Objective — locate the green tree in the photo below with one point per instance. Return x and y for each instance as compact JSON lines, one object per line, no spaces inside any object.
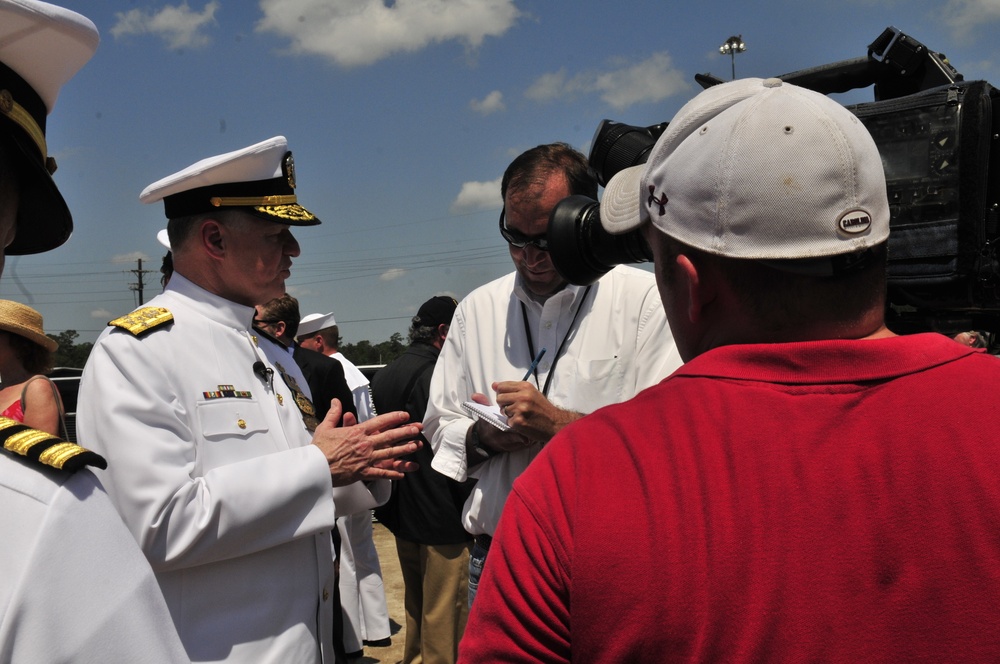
{"x":70,"y":353}
{"x":364,"y":352}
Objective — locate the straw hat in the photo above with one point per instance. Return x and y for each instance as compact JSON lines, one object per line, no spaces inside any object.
{"x":24,"y":321}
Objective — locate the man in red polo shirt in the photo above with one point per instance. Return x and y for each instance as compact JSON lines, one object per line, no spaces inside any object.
{"x":807,"y":486}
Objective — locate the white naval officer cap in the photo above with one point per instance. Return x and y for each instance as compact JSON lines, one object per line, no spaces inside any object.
{"x":313,"y":323}
{"x":259,"y":180}
{"x":41,"y":47}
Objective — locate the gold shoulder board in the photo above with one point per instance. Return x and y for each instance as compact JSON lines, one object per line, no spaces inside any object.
{"x":45,"y":448}
{"x":143,"y":320}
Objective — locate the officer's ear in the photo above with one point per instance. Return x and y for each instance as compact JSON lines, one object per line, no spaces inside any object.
{"x":212,"y":235}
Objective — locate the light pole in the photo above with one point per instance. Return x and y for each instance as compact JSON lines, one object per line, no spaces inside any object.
{"x":732,"y":46}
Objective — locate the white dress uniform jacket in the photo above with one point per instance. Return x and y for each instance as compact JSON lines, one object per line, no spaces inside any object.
{"x":619,"y":345}
{"x":212,"y":469}
{"x":74,"y":587}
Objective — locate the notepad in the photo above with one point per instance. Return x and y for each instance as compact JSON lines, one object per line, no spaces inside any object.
{"x":491,"y":414}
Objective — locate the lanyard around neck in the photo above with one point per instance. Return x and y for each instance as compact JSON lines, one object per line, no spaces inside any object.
{"x":562,"y":344}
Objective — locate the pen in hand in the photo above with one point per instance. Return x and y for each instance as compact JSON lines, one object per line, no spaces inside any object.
{"x":534,"y":365}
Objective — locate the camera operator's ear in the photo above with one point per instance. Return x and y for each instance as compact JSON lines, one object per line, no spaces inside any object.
{"x":696,"y":281}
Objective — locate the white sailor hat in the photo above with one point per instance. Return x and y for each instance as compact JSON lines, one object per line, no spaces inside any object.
{"x":313,"y":323}
{"x":259,"y":180}
{"x":163,"y":238}
{"x":41,"y":47}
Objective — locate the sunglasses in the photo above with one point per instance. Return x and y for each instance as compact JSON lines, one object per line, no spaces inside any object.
{"x":520,"y":240}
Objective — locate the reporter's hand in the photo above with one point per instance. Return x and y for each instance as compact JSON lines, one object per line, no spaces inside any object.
{"x":369,"y":450}
{"x":529,"y":412}
{"x":494,"y":439}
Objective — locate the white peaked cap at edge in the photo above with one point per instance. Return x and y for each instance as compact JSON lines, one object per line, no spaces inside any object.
{"x":42,"y":47}
{"x":45,"y":44}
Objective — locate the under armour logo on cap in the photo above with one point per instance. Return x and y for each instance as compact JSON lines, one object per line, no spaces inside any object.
{"x":661,"y":201}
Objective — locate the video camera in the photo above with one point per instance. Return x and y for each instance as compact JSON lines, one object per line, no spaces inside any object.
{"x":938,"y":137}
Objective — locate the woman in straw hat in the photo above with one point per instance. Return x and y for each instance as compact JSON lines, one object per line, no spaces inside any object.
{"x":25,"y":354}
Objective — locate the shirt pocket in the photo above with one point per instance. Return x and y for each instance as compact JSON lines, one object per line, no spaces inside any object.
{"x":594,"y":383}
{"x":231,"y":430}
{"x":225,"y":418}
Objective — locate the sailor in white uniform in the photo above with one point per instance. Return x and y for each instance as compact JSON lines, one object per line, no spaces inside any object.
{"x":219,"y":468}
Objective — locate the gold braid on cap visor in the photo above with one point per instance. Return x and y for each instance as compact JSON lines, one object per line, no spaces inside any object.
{"x":281,"y":206}
{"x":20,"y":116}
{"x":252,"y":201}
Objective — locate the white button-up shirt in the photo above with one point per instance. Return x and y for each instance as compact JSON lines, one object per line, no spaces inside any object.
{"x":619,"y":345}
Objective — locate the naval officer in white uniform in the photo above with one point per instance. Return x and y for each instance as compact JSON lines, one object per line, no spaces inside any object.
{"x":219,"y":468}
{"x":74,"y":586}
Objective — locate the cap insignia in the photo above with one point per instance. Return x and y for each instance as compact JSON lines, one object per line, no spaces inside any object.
{"x":288,"y":168}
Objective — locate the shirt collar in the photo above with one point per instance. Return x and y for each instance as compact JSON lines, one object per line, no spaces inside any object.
{"x":827,"y":362}
{"x":565,"y":296}
{"x":211,"y":306}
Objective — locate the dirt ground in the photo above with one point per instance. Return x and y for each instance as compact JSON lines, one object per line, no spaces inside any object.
{"x":385,"y":544}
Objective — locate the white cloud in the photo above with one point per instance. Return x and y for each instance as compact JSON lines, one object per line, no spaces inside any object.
{"x":477,"y":196}
{"x":178,"y":26}
{"x":352,"y":33}
{"x":963,"y":16}
{"x":392,"y":274}
{"x":102,"y":315}
{"x":622,"y":85}
{"x":491,"y":103}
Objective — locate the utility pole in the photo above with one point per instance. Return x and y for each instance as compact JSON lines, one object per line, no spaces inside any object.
{"x":139,"y":285}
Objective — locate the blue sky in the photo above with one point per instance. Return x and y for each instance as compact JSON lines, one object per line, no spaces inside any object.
{"x":402,"y":117}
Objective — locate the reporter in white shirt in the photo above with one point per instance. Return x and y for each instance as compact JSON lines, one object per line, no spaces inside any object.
{"x":604,"y":343}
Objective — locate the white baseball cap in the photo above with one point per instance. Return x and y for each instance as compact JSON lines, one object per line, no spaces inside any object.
{"x":258,"y":179}
{"x":42,"y":46}
{"x":758,"y":169}
{"x":312,"y":323}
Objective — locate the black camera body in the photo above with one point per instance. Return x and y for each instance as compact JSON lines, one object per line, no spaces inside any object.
{"x":938,"y":137}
